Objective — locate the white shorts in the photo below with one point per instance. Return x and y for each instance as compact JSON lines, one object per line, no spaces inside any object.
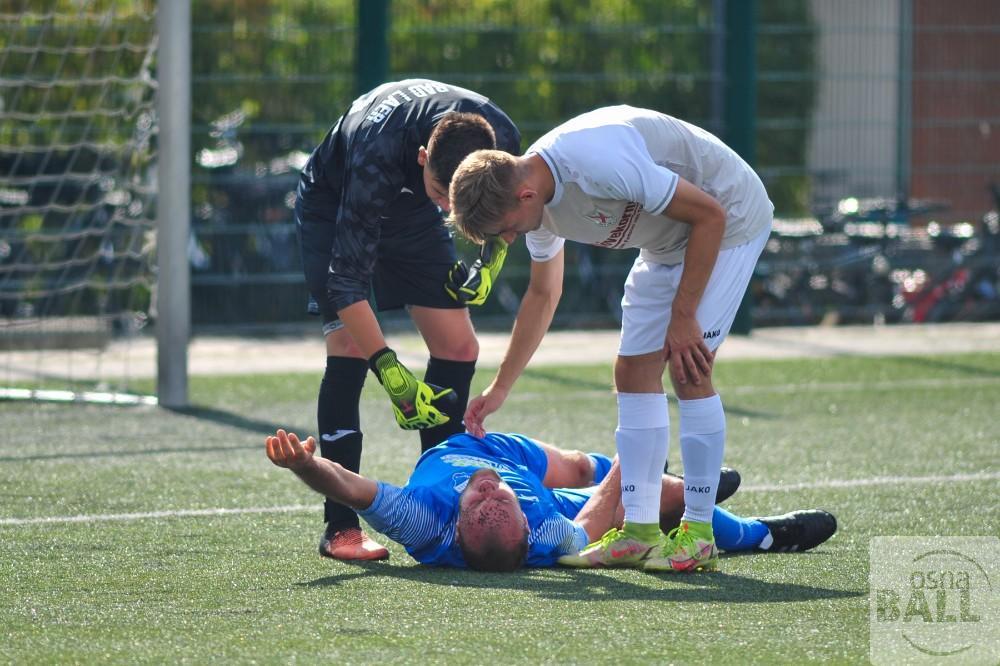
{"x":650,"y":290}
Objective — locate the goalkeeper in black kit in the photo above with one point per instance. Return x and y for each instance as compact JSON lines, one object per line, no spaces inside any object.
{"x":369,"y":215}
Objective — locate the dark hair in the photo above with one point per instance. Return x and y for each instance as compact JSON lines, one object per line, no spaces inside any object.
{"x":454,"y":137}
{"x":493,"y":554}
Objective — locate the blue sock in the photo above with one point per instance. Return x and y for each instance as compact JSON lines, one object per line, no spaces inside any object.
{"x":734,"y":533}
{"x":602,"y":465}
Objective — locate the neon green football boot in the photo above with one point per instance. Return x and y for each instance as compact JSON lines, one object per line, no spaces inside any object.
{"x":689,"y":547}
{"x":615,"y":549}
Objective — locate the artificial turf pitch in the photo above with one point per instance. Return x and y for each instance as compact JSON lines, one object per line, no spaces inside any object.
{"x":872,"y":440}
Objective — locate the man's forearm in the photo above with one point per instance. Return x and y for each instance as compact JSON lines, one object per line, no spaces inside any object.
{"x":700,"y":255}
{"x":532,"y":322}
{"x":603,"y":510}
{"x":339,"y":484}
{"x":533,"y":318}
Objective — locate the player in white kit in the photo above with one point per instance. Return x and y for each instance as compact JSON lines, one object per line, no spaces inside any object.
{"x":622,"y":177}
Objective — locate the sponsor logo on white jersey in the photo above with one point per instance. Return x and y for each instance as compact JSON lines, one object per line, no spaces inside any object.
{"x":601,"y":218}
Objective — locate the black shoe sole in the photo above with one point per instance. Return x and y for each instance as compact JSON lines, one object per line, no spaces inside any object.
{"x":800,"y":531}
{"x":729,"y":483}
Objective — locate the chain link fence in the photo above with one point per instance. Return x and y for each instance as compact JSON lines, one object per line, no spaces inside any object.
{"x":876,"y":130}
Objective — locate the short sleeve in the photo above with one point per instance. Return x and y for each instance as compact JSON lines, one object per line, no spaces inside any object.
{"x":543,"y":245}
{"x":555,"y":537}
{"x":405,"y":516}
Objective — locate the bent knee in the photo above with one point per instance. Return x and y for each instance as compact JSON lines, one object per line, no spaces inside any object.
{"x":581,"y":468}
{"x":639,"y":374}
{"x":459,"y":350}
{"x":340,"y":343}
{"x":692,"y":391}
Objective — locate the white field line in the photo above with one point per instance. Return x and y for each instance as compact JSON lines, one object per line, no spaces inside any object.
{"x":867,"y":386}
{"x":874,"y":481}
{"x":296,"y":508}
{"x":812,"y":387}
{"x":179,"y":513}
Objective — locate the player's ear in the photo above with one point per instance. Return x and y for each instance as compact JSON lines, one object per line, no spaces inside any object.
{"x":422,"y":156}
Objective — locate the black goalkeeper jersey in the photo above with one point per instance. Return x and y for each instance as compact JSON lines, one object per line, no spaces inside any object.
{"x":364,"y":177}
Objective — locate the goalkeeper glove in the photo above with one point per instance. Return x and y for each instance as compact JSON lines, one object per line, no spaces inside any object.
{"x":471,"y":286}
{"x":412,"y":400}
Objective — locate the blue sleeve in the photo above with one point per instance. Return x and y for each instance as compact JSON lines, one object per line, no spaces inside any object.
{"x":406,"y":517}
{"x":555,"y":537}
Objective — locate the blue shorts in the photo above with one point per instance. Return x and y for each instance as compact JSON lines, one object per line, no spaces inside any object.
{"x":569,"y":501}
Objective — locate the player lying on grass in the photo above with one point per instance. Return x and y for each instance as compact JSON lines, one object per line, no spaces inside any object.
{"x":503,"y":501}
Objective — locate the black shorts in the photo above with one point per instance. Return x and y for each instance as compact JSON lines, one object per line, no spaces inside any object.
{"x":411,"y":268}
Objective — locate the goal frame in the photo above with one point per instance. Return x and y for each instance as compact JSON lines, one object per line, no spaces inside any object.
{"x":173,"y":210}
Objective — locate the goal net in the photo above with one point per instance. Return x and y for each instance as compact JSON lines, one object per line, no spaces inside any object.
{"x":77,"y":184}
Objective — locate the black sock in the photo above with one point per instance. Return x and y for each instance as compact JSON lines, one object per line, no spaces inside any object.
{"x":339,"y":420}
{"x":455,"y":375}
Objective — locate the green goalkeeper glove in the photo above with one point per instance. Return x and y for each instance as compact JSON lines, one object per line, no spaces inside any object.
{"x":412,"y":400}
{"x":471,"y":286}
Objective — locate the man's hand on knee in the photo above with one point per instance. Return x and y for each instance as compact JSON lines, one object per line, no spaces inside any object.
{"x":685,"y":351}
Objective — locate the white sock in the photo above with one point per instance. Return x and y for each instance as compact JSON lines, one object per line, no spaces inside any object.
{"x":703,"y":441}
{"x":643,"y":437}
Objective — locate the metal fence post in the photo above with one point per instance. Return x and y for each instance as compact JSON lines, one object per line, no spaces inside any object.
{"x":371,"y":59}
{"x":741,"y":104}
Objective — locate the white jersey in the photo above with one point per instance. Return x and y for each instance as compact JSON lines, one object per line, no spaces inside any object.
{"x":616,"y":169}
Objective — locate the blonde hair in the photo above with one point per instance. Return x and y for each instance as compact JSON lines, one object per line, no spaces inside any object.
{"x":482,"y":192}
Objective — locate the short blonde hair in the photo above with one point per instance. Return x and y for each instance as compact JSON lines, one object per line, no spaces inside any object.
{"x":482,"y":191}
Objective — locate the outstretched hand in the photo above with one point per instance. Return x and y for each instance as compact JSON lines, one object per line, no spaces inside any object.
{"x":285,"y":450}
{"x":686,"y":351}
{"x":482,"y":406}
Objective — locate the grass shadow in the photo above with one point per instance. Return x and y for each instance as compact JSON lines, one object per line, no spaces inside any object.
{"x":573,"y":585}
{"x":941,"y":364}
{"x":210,"y":414}
{"x":233,"y":420}
{"x":736,"y":410}
{"x":118,"y":453}
{"x":570,"y":380}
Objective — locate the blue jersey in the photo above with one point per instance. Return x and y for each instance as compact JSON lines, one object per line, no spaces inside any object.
{"x":422,"y":514}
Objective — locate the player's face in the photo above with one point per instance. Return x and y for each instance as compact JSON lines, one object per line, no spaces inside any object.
{"x":526,"y":217}
{"x":489,"y":503}
{"x":485,"y":485}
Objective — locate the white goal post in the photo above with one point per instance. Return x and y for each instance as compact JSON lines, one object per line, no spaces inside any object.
{"x":173,"y":326}
{"x":89,"y":254}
